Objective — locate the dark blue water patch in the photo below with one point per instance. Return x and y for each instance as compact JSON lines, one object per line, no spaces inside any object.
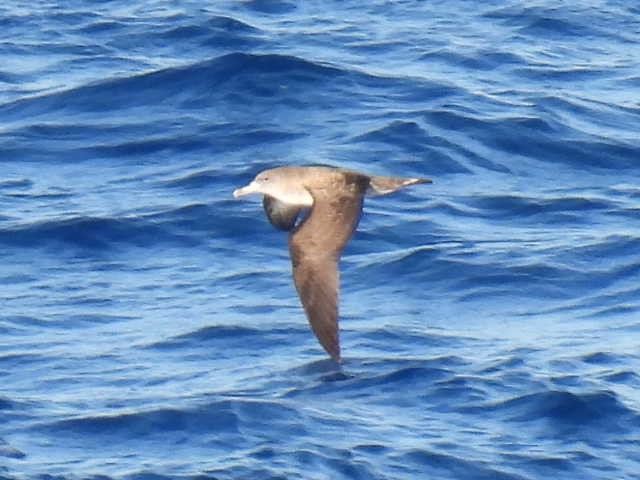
{"x":101,"y":26}
{"x":559,"y":24}
{"x":410,"y":138}
{"x":479,"y":60}
{"x":548,"y":210}
{"x":212,"y":33}
{"x":629,"y":212}
{"x":613,"y":246}
{"x":629,"y":378}
{"x":563,"y":74}
{"x":226,"y":341}
{"x":170,"y":145}
{"x":537,"y":464}
{"x":85,"y":320}
{"x":233,"y":79}
{"x":471,"y":122}
{"x":607,"y":303}
{"x":240,"y":73}
{"x":11,"y":78}
{"x":568,"y":412}
{"x":442,"y":465}
{"x":466,"y":390}
{"x":66,"y":18}
{"x":16,"y":184}
{"x":617,"y":117}
{"x":227,"y":138}
{"x":272,"y":7}
{"x":404,"y":262}
{"x":53,"y":194}
{"x":189,"y":225}
{"x":21,"y":322}
{"x":7,"y":404}
{"x":8,"y":451}
{"x":11,"y":361}
{"x":91,"y":233}
{"x":473,"y":279}
{"x":230,"y":24}
{"x":17,"y":278}
{"x":618,"y":310}
{"x":402,"y":336}
{"x":552,"y":28}
{"x":215,"y":418}
{"x":71,"y":49}
{"x":356,"y":377}
{"x":74,"y":133}
{"x":511,"y":135}
{"x":601,"y":358}
{"x":67,"y":142}
{"x":418,"y":376}
{"x":215,"y":423}
{"x":241,"y":470}
{"x":537,"y":280}
{"x":207,"y":335}
{"x":510,"y":363}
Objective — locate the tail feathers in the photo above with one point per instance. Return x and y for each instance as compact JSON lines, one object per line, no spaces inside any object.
{"x":385,"y":185}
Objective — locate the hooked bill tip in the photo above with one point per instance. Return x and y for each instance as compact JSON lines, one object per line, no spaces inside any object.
{"x":243,"y":191}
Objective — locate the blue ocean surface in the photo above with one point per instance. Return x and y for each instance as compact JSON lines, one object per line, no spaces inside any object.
{"x":490,"y":322}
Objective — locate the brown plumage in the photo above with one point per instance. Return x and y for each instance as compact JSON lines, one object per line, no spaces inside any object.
{"x":335,"y":197}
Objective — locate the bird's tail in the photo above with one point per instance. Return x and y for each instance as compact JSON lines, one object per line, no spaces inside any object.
{"x":385,"y":185}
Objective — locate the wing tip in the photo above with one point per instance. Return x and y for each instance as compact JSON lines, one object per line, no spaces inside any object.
{"x":385,"y":185}
{"x":335,"y":355}
{"x":331,"y":346}
{"x":415,"y":181}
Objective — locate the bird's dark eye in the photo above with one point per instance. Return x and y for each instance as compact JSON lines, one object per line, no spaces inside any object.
{"x":265,"y":179}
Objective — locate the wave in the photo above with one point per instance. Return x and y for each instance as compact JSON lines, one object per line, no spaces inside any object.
{"x":482,"y":59}
{"x":89,"y":232}
{"x":552,"y":23}
{"x":548,"y":209}
{"x":563,"y":409}
{"x":508,"y":135}
{"x":238,"y":71}
{"x":561,"y":273}
{"x":228,"y":335}
{"x":184,"y":226}
{"x":410,"y":138}
{"x":454,"y":466}
{"x":219,"y":420}
{"x":7,"y":404}
{"x":231,"y":78}
{"x":8,"y":451}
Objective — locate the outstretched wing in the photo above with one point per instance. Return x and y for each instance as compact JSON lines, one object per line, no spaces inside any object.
{"x":317,"y":283}
{"x":316,"y":246}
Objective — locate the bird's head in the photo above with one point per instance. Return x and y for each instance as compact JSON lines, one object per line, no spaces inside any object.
{"x":264,"y":183}
{"x":285,"y":184}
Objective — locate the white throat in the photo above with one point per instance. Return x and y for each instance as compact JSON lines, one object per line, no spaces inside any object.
{"x":294,"y":196}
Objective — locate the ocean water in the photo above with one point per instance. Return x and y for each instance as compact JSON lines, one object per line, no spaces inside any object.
{"x":490,"y":321}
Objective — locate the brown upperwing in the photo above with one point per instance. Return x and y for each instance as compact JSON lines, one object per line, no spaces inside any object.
{"x":315,"y":247}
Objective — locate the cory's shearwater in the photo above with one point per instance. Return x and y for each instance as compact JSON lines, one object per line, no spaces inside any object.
{"x":334,"y":197}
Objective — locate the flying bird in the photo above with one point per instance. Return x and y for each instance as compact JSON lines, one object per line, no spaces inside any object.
{"x":333,"y":198}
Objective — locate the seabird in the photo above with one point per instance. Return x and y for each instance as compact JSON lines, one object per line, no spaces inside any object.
{"x":333,"y":198}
